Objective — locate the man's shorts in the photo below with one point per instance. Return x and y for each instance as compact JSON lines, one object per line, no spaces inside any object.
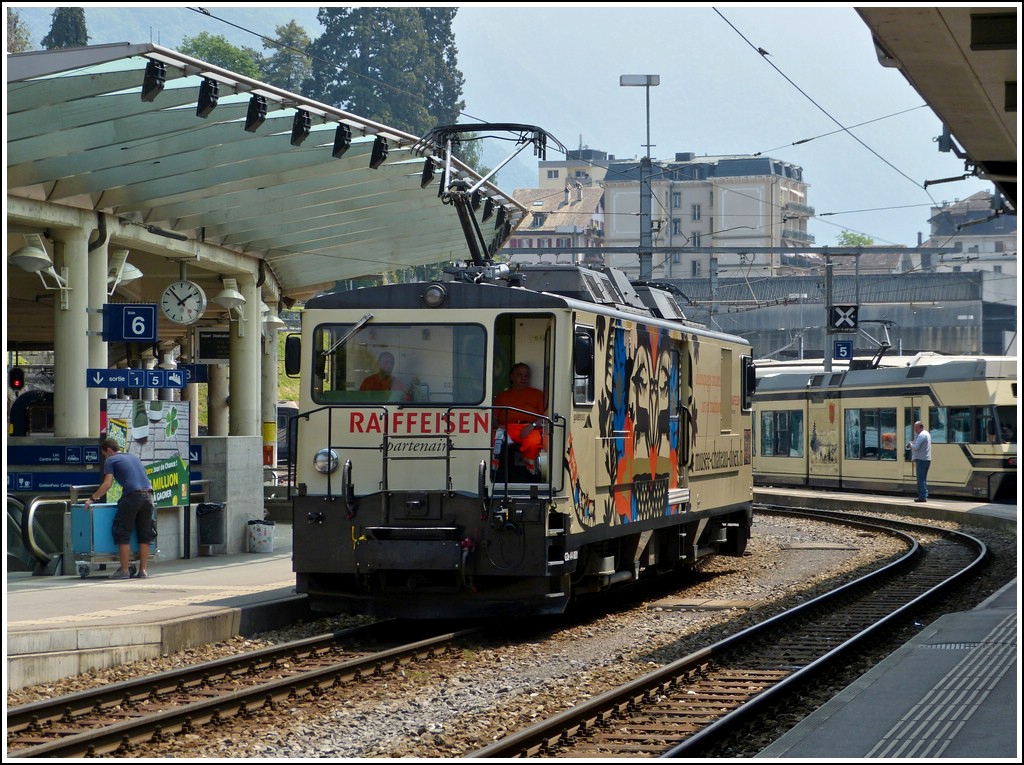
{"x":135,"y":512}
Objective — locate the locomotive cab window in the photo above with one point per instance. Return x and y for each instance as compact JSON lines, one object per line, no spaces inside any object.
{"x":381,"y":363}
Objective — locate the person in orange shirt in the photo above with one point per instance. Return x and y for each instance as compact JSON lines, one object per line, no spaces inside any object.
{"x":522,"y":427}
{"x":383,"y":379}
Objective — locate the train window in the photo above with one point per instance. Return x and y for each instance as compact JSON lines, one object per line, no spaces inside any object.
{"x":959,"y":424}
{"x":782,"y":434}
{"x":938,"y":424}
{"x":583,"y":366}
{"x":1007,"y":424}
{"x":910,"y":416}
{"x":377,"y":363}
{"x":985,"y":425}
{"x":870,"y":434}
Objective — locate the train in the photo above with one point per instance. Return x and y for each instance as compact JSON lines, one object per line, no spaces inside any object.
{"x":848,"y":427}
{"x":405,"y":502}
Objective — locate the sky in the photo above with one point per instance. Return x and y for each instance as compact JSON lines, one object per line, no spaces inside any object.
{"x":866,"y":138}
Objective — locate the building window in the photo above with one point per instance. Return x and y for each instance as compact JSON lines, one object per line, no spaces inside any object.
{"x":538,"y":219}
{"x":695,"y":268}
{"x":675,"y":258}
{"x":695,"y":239}
{"x":999,"y":246}
{"x":563,"y":242}
{"x":997,"y":269}
{"x":677,"y":199}
{"x":695,"y":209}
{"x":677,"y":227}
{"x":552,"y":173}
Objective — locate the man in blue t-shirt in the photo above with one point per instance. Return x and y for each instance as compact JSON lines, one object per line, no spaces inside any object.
{"x":134,"y":509}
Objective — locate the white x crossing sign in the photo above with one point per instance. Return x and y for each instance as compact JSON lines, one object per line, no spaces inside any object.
{"x":842,"y":318}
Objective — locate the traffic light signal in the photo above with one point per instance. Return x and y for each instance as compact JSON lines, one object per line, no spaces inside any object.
{"x":16,"y":378}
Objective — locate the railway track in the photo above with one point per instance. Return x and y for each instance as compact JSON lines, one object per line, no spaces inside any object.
{"x":686,"y":708}
{"x":118,"y":717}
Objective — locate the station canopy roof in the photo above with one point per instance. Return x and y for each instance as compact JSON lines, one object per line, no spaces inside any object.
{"x":119,"y":129}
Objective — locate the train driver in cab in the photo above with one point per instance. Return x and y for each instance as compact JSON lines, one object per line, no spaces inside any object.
{"x":524,"y":428}
{"x":383,"y":379}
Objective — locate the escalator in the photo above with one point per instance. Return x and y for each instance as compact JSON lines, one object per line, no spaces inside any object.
{"x":31,"y":535}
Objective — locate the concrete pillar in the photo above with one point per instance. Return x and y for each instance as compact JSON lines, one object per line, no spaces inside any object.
{"x":269,"y":396}
{"x":72,"y":416}
{"x":244,"y":351}
{"x":217,"y":406}
{"x":98,"y":353}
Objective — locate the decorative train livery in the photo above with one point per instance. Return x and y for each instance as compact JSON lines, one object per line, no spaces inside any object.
{"x":418,"y":495}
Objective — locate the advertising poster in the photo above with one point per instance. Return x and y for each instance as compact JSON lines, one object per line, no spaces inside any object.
{"x":157,"y":433}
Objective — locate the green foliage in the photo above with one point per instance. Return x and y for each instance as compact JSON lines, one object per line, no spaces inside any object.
{"x":851,"y":239}
{"x":17,"y":33}
{"x":394,"y":65}
{"x":215,"y":49}
{"x":67,"y":30}
{"x":289,"y":65}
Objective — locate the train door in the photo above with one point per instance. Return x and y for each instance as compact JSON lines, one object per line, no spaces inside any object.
{"x":912,"y":412}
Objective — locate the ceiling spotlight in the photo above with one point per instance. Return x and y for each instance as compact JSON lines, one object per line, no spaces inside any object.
{"x":428,"y":173}
{"x":379,"y":153}
{"x":301,"y":125}
{"x":342,"y":140}
{"x":257,"y":113}
{"x":230,"y":297}
{"x":153,"y":82}
{"x":208,"y":94}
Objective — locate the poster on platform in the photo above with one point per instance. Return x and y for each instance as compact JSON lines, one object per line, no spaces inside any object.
{"x":157,"y":433}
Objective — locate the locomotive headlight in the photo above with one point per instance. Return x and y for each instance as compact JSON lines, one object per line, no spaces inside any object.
{"x":326,"y":461}
{"x":435,"y":295}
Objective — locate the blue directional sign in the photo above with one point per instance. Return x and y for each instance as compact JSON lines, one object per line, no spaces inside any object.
{"x":195,"y":373}
{"x":842,"y":350}
{"x":135,"y":378}
{"x":131,"y":322}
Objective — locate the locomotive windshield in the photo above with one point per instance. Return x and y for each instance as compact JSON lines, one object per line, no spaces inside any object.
{"x":379,"y":363}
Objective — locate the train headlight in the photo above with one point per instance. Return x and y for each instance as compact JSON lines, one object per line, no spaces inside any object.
{"x":326,"y":461}
{"x":435,"y":295}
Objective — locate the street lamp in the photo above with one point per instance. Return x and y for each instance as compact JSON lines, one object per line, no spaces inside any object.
{"x":646,"y":81}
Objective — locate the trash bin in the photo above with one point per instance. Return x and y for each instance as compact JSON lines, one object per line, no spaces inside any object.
{"x":261,"y":536}
{"x":211,"y":523}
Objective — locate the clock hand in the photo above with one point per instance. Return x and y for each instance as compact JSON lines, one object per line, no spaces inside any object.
{"x":180,"y":301}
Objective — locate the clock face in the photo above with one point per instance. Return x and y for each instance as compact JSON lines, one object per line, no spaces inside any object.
{"x":183,"y":302}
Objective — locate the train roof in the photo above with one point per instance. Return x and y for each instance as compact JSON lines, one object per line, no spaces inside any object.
{"x":604,"y":290}
{"x":923,"y":367}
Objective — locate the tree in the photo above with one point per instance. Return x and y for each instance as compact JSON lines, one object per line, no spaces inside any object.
{"x":289,"y":66}
{"x":397,"y":66}
{"x":67,"y":30}
{"x":215,"y":49}
{"x":851,"y":239}
{"x":17,"y":33}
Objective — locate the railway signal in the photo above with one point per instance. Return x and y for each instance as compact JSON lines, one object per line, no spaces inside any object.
{"x":842,"y":318}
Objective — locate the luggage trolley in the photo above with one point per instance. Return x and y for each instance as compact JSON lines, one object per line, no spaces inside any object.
{"x":93,"y":543}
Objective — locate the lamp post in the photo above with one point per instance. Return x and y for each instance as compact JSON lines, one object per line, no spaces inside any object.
{"x":646,"y":81}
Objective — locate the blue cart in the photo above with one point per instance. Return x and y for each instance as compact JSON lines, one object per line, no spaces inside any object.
{"x":92,"y":543}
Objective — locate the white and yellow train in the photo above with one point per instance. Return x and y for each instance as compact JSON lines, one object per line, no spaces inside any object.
{"x":848,"y":428}
{"x":398,"y":509}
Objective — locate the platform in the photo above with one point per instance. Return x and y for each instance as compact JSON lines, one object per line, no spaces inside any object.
{"x":952,"y":692}
{"x":65,"y":625}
